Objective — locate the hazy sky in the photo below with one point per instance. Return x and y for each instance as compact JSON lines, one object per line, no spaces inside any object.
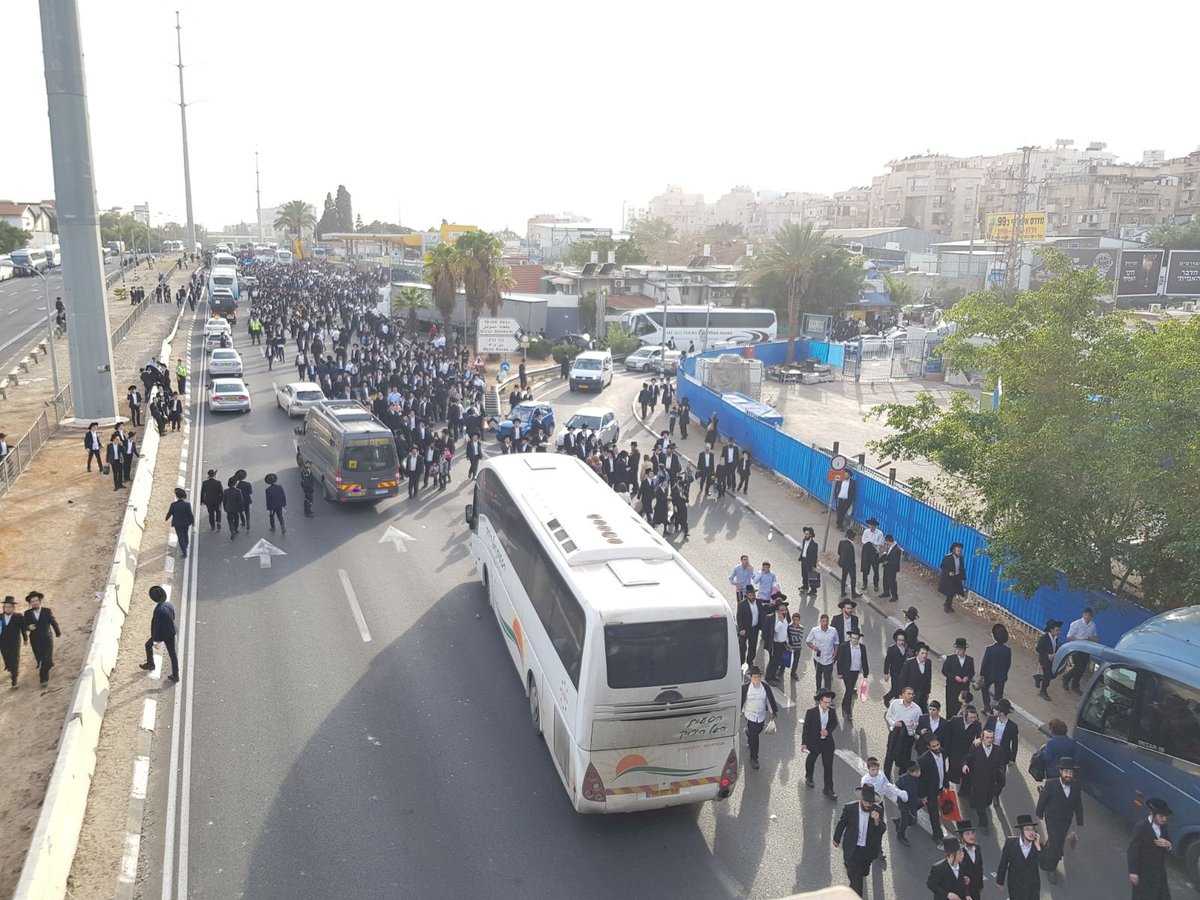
{"x":487,"y":113}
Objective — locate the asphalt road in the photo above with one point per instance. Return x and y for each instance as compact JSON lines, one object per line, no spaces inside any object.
{"x":327,"y":755}
{"x":23,"y":312}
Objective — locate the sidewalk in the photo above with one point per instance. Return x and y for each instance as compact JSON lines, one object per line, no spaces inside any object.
{"x":57,"y":534}
{"x":784,"y":507}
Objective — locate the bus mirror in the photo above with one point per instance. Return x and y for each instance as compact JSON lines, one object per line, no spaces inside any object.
{"x":471,"y":515}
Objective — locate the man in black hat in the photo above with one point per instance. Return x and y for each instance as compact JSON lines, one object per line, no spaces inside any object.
{"x":852,"y":667}
{"x":847,"y":621}
{"x":162,"y":631}
{"x":861,"y":827}
{"x":1018,"y":863}
{"x":1006,"y":730}
{"x":180,"y":515}
{"x":952,"y":577}
{"x":889,"y":558}
{"x":947,"y":879}
{"x":997,"y":660}
{"x":276,"y":501}
{"x":911,"y":631}
{"x":1060,"y":801}
{"x":917,"y":673}
{"x":816,"y":739}
{"x":210,"y":499}
{"x":12,"y":634}
{"x":986,"y":764}
{"x":972,"y":859}
{"x":893,"y":664}
{"x":758,"y":707}
{"x":42,"y":628}
{"x":1047,"y":646}
{"x":1147,"y":855}
{"x":848,"y":562}
{"x":958,"y":670}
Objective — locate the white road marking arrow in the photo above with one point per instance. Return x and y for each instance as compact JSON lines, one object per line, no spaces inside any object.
{"x":264,"y":550}
{"x":397,"y":537}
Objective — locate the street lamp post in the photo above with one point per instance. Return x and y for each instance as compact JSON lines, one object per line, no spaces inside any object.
{"x":49,"y":332}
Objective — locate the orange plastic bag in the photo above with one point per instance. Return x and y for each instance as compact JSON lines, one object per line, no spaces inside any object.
{"x":948,"y":805}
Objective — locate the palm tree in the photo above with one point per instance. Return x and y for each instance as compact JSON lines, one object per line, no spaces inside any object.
{"x":790,"y":256}
{"x":901,"y":291}
{"x":661,"y":240}
{"x":442,"y":273}
{"x":295,"y":216}
{"x":406,"y":302}
{"x":484,"y":278}
{"x":502,"y":281}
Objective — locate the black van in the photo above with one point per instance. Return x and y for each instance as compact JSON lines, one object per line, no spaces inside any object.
{"x":353,"y":454}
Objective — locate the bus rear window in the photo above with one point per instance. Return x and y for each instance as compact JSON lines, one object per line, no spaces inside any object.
{"x":663,"y":654}
{"x":369,"y":455}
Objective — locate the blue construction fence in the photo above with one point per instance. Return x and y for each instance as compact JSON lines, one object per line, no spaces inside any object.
{"x":923,"y":532}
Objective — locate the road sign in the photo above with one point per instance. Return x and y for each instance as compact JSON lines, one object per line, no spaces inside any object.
{"x":834,"y":475}
{"x":506,"y":327}
{"x":839,"y":462}
{"x":264,"y":550}
{"x":505,"y":366}
{"x":495,"y":343}
{"x":397,"y":537}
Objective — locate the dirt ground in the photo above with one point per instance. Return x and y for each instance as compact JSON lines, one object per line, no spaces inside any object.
{"x":58,"y":528}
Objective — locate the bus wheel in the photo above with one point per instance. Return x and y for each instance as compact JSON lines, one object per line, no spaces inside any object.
{"x":535,"y":709}
{"x":1191,"y":859}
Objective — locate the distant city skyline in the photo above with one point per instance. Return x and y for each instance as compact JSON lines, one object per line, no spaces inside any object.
{"x":423,"y":119}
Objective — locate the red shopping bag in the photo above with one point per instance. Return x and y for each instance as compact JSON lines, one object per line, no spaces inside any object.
{"x":948,"y":805}
{"x":863,"y":687}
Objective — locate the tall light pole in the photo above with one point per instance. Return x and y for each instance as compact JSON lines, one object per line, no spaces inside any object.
{"x":187,"y":167}
{"x":258,"y":197}
{"x":49,"y":331}
{"x":92,"y":381}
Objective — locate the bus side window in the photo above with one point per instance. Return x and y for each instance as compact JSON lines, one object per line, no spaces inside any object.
{"x":1108,"y":709}
{"x":1171,"y":715}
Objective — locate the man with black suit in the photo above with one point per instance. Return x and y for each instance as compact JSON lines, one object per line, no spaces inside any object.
{"x":1060,"y":801}
{"x":210,"y":499}
{"x":848,"y":562}
{"x":180,"y":515}
{"x":42,"y":628}
{"x":931,"y":724}
{"x":986,"y":765}
{"x":233,"y":503}
{"x":1147,"y":854}
{"x":844,"y":498}
{"x":859,"y":833}
{"x":997,"y":660}
{"x":893,"y":664}
{"x":12,"y":634}
{"x":749,"y":624}
{"x":727,"y":468}
{"x":972,"y":859}
{"x":413,"y":467}
{"x":1001,"y":724}
{"x":1047,"y":646}
{"x":958,"y":670}
{"x":917,"y":673}
{"x":94,"y":447}
{"x":816,"y":739}
{"x":134,"y":399}
{"x":889,"y":558}
{"x":115,"y":459}
{"x":474,"y":455}
{"x":705,"y":469}
{"x":743,"y":472}
{"x":952,"y":577}
{"x":847,"y":621}
{"x":947,"y":878}
{"x":934,"y":765}
{"x":852,"y":667}
{"x":162,"y":630}
{"x":1018,"y":863}
{"x":808,"y":561}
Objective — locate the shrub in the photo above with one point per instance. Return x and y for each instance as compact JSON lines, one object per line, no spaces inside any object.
{"x":562,"y":352}
{"x":539,"y":348}
{"x":621,"y":342}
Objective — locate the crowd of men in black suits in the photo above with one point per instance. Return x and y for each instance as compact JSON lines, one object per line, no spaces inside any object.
{"x":36,"y":628}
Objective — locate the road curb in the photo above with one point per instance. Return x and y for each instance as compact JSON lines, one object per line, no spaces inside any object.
{"x":828,"y":569}
{"x":47,"y":865}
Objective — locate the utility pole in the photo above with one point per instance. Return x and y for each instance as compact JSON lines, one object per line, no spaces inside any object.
{"x":1016,"y":242}
{"x":258,"y":197}
{"x":94,"y":391}
{"x":187,"y":167}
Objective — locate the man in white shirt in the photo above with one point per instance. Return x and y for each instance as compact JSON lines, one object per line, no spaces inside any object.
{"x":872,"y":544}
{"x":823,"y":641}
{"x":1082,"y":629}
{"x":902,"y":717}
{"x":779,"y":642}
{"x":758,"y":705}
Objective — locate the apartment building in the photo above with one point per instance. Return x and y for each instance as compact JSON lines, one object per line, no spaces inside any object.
{"x":683,"y":211}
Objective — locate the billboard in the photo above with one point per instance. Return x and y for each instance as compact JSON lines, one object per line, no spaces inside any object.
{"x":1030,"y":226}
{"x":1103,"y":261}
{"x":1139,"y":271}
{"x":1183,"y":273}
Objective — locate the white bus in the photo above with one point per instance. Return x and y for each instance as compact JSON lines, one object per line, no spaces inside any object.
{"x":704,"y":326}
{"x":626,"y":653}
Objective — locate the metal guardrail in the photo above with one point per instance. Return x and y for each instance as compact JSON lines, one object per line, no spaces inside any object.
{"x":125,"y":327}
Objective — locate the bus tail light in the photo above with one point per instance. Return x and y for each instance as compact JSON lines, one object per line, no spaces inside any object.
{"x":338,"y":479}
{"x":728,"y":775}
{"x":593,"y":787}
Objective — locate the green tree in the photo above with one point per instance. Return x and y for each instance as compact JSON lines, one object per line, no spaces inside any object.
{"x":295,"y":216}
{"x":479,"y":263}
{"x":345,"y":211}
{"x":358,"y":223}
{"x":1089,"y":469}
{"x":589,"y":305}
{"x":443,"y":271}
{"x":1177,"y":237}
{"x":12,"y":238}
{"x":407,"y":302}
{"x":790,"y":256}
{"x":661,"y":241}
{"x":329,"y":223}
{"x":626,"y":253}
{"x":900,"y":290}
{"x":378,"y":227}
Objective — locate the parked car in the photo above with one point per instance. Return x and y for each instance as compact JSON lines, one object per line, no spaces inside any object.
{"x":225,"y":363}
{"x":582,"y":341}
{"x":7,"y":269}
{"x":639,"y":359}
{"x":217,"y":326}
{"x":523,"y":414}
{"x":228,"y":395}
{"x":599,"y":419}
{"x":668,"y":364}
{"x":298,"y":397}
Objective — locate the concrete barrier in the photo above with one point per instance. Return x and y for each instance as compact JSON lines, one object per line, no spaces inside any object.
{"x":56,"y":836}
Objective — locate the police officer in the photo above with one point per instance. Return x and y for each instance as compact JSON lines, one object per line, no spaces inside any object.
{"x":308,"y":484}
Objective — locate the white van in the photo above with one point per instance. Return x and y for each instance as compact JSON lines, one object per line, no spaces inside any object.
{"x":591,"y":370}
